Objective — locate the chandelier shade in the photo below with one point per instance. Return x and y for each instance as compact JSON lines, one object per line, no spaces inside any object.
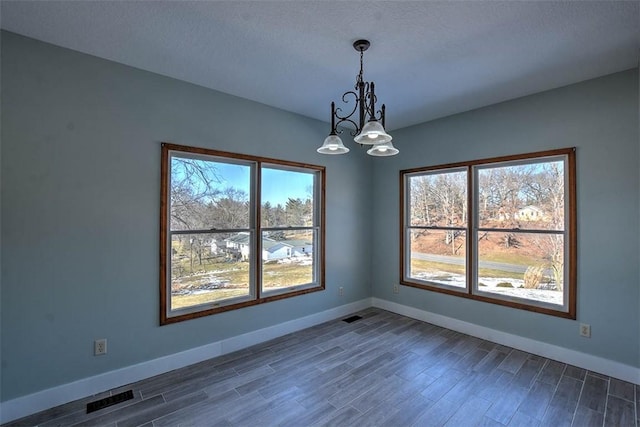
{"x":372,"y":133}
{"x":368,"y":123}
{"x":333,"y":145}
{"x":383,"y":150}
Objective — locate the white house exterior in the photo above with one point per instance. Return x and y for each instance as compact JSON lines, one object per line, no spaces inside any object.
{"x":214,"y":246}
{"x":239,"y":244}
{"x":301,"y":248}
{"x":530,"y":213}
{"x":274,"y":251}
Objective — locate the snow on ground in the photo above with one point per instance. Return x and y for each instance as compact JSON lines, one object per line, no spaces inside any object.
{"x":458,"y":280}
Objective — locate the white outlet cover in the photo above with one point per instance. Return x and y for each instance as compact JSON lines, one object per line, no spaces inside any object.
{"x":585,"y":330}
{"x":100,"y":347}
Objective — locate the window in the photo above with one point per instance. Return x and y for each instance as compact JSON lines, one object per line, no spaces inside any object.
{"x":499,"y":230}
{"x":236,"y":230}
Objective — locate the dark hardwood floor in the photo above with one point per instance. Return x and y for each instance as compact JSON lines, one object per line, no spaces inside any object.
{"x":381,"y":370}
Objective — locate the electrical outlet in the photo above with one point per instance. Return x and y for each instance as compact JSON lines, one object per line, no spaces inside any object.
{"x":341,"y":291}
{"x":396,"y":288}
{"x":585,"y":330}
{"x":100,"y":347}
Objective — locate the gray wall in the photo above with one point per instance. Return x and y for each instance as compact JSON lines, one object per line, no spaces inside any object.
{"x":80,"y":211}
{"x":80,"y":182}
{"x":600,"y":118}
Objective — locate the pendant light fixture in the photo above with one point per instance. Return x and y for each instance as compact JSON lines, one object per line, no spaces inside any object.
{"x":369,"y":129}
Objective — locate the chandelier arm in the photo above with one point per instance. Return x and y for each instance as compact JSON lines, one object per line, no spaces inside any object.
{"x":372,"y":98}
{"x":363,"y":88}
{"x":369,"y":106}
{"x":333,"y":118}
{"x":335,"y":114}
{"x":366,"y":106}
{"x":346,"y":120}
{"x":346,"y":101}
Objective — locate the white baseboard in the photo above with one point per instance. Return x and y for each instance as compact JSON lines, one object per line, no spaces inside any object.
{"x":39,"y":401}
{"x":561,"y":354}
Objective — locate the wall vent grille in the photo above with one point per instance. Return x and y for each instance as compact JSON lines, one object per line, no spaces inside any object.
{"x":109,"y":401}
{"x":352,"y":319}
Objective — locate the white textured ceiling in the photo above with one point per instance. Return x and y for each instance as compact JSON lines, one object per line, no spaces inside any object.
{"x":429,"y":59}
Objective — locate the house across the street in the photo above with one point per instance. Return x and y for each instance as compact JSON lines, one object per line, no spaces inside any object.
{"x":272,"y":250}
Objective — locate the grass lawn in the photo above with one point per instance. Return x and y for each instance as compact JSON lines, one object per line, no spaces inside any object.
{"x":182,"y":301}
{"x":234,"y":280}
{"x":511,"y":258}
{"x":418,"y":265}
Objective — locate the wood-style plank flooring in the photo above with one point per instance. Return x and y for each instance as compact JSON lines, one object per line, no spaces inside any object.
{"x":381,"y":370}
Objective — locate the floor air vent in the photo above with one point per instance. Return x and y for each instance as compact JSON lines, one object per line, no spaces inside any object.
{"x":109,"y":401}
{"x":352,"y":319}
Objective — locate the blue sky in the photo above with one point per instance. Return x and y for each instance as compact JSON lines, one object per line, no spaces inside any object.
{"x":277,"y":185}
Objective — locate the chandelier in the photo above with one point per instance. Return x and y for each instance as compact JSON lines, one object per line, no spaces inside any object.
{"x":369,"y":128}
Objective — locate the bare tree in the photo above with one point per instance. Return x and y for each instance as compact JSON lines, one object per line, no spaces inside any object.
{"x":194,"y":184}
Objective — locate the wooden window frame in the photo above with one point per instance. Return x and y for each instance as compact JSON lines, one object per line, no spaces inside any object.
{"x":256,"y":294}
{"x":471,"y":291}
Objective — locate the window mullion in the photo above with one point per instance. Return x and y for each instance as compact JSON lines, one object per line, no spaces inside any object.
{"x":208,"y":231}
{"x":471,"y":232}
{"x":288,"y":228}
{"x":256,"y":262}
{"x":520,"y":230}
{"x":433,"y":227}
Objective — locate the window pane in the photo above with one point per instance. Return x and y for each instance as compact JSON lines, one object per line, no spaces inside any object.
{"x":287,"y":258}
{"x":287,"y":198}
{"x":208,"y":268}
{"x":439,"y":199}
{"x":209,"y":194}
{"x":218,"y":212}
{"x":438,"y":256}
{"x":523,"y":265}
{"x":527,"y":196}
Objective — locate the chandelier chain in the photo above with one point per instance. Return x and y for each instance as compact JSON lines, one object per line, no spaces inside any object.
{"x":360,"y":77}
